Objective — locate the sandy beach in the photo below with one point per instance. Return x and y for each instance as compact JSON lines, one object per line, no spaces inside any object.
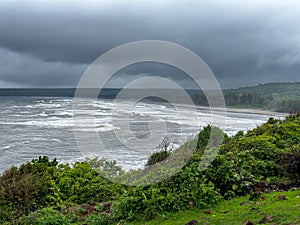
{"x":235,"y":110}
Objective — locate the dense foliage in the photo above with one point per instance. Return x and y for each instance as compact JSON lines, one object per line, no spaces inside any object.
{"x":64,"y":194}
{"x":280,"y":97}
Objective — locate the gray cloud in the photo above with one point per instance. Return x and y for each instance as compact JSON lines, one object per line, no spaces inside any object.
{"x":244,"y":43}
{"x":20,"y":70}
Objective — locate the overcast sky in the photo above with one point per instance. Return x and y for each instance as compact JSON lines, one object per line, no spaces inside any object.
{"x":50,"y":43}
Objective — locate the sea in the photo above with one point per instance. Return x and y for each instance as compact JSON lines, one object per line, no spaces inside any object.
{"x":36,"y":126}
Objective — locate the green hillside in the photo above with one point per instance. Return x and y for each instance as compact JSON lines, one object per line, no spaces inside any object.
{"x":280,"y":97}
{"x":279,"y":91}
{"x":277,"y":208}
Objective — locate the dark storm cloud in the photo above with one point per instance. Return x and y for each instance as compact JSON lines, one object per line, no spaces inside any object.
{"x":22,"y":71}
{"x":243,"y":43}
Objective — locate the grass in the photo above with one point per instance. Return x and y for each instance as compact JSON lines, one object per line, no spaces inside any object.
{"x":232,"y":212}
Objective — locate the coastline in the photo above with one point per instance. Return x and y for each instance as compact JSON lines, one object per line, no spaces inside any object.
{"x":236,"y":110}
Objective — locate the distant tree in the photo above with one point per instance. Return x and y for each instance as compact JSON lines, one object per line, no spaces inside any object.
{"x":290,"y":106}
{"x":165,"y":150}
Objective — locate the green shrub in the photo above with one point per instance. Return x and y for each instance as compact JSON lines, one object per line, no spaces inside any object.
{"x":99,"y":219}
{"x":261,"y":154}
{"x":157,"y":157}
{"x":210,"y":137}
{"x":28,"y":188}
{"x":165,"y":150}
{"x":46,"y":216}
{"x":81,"y":183}
{"x":290,"y":162}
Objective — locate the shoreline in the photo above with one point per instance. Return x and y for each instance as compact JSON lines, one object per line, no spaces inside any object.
{"x":236,"y":110}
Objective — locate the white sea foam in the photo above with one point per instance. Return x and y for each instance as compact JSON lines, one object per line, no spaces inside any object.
{"x":65,"y":113}
{"x":30,"y":127}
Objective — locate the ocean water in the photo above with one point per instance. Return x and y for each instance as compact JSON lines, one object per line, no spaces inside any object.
{"x":37,"y":126}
